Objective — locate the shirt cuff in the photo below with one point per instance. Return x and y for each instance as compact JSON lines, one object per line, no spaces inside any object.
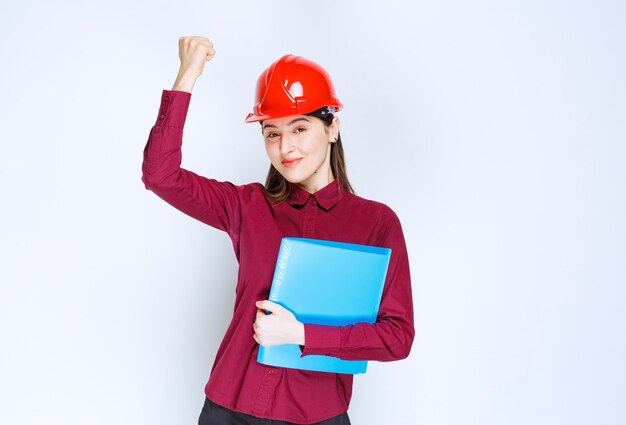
{"x":321,"y":340}
{"x":173,"y":110}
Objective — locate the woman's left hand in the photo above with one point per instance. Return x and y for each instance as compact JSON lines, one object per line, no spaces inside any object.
{"x":280,"y":327}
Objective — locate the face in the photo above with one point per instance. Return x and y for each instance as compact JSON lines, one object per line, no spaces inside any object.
{"x":299,"y":148}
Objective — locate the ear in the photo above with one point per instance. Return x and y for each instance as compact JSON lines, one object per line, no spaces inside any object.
{"x":334,"y":129}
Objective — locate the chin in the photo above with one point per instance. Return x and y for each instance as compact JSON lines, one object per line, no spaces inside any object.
{"x":294,"y":176}
{"x":294,"y":179}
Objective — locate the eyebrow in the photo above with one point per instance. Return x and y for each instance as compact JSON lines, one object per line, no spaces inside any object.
{"x":289,"y":123}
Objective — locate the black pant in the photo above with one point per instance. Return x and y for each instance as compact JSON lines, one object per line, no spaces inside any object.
{"x":214,"y":414}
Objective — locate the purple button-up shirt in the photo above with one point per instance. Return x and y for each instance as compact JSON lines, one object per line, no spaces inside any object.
{"x":256,"y":226}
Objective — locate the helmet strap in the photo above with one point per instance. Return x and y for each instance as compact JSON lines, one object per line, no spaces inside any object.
{"x":323,"y":112}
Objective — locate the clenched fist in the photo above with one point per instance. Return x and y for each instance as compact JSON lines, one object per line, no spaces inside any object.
{"x":194,"y":52}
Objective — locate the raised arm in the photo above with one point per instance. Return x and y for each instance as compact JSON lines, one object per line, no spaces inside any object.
{"x":212,"y":202}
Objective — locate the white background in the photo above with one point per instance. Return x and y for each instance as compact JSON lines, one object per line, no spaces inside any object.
{"x":495,"y":130}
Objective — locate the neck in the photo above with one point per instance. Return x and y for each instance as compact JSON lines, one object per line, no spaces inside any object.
{"x":314,"y":186}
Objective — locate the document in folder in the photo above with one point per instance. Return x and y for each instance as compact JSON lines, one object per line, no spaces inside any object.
{"x":325,"y":283}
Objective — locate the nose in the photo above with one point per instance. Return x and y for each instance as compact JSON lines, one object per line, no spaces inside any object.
{"x":286,"y":145}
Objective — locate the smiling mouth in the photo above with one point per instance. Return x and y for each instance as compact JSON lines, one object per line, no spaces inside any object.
{"x":291,"y":162}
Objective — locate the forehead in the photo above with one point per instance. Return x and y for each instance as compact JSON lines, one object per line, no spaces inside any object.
{"x":286,"y":121}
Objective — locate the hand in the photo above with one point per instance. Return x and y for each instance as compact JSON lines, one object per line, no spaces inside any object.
{"x":280,"y":327}
{"x":194,"y":52}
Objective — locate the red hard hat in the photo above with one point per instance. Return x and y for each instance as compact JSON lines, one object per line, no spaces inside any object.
{"x":292,"y":85}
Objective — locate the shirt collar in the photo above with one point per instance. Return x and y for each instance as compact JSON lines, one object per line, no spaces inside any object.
{"x":327,"y":196}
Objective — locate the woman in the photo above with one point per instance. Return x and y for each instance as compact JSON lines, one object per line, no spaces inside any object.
{"x":306,"y":194}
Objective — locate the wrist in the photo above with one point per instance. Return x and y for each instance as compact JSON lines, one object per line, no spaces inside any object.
{"x":300,"y":334}
{"x":185,"y":81}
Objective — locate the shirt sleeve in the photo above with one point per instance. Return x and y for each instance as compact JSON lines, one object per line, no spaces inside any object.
{"x":212,"y":202}
{"x":391,"y":336}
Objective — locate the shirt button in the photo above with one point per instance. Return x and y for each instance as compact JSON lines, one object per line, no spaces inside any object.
{"x":271,"y":371}
{"x":309,"y":218}
{"x":162,"y":116}
{"x":166,"y":98}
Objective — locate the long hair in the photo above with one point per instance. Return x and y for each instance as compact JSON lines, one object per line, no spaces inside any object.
{"x":277,"y":187}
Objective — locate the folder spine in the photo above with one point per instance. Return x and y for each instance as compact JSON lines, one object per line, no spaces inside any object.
{"x":281,"y":269}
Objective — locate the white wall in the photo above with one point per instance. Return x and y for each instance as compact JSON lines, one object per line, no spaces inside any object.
{"x":497,"y":130}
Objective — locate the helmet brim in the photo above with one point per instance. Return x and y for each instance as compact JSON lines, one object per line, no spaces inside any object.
{"x":256,"y":118}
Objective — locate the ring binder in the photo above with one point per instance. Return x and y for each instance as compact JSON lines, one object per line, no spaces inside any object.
{"x":325,"y":283}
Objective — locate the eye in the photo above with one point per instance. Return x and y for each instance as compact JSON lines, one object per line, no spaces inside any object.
{"x":271,"y":135}
{"x":300,"y":130}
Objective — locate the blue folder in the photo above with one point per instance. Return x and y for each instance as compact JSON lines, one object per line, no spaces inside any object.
{"x":325,"y":283}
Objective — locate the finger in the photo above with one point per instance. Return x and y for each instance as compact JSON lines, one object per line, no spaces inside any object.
{"x":268,"y":305}
{"x":260,"y":314}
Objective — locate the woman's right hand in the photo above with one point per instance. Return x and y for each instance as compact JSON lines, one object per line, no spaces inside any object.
{"x":194,"y":52}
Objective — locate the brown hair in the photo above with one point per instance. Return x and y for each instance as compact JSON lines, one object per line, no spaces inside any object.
{"x":277,"y":187}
